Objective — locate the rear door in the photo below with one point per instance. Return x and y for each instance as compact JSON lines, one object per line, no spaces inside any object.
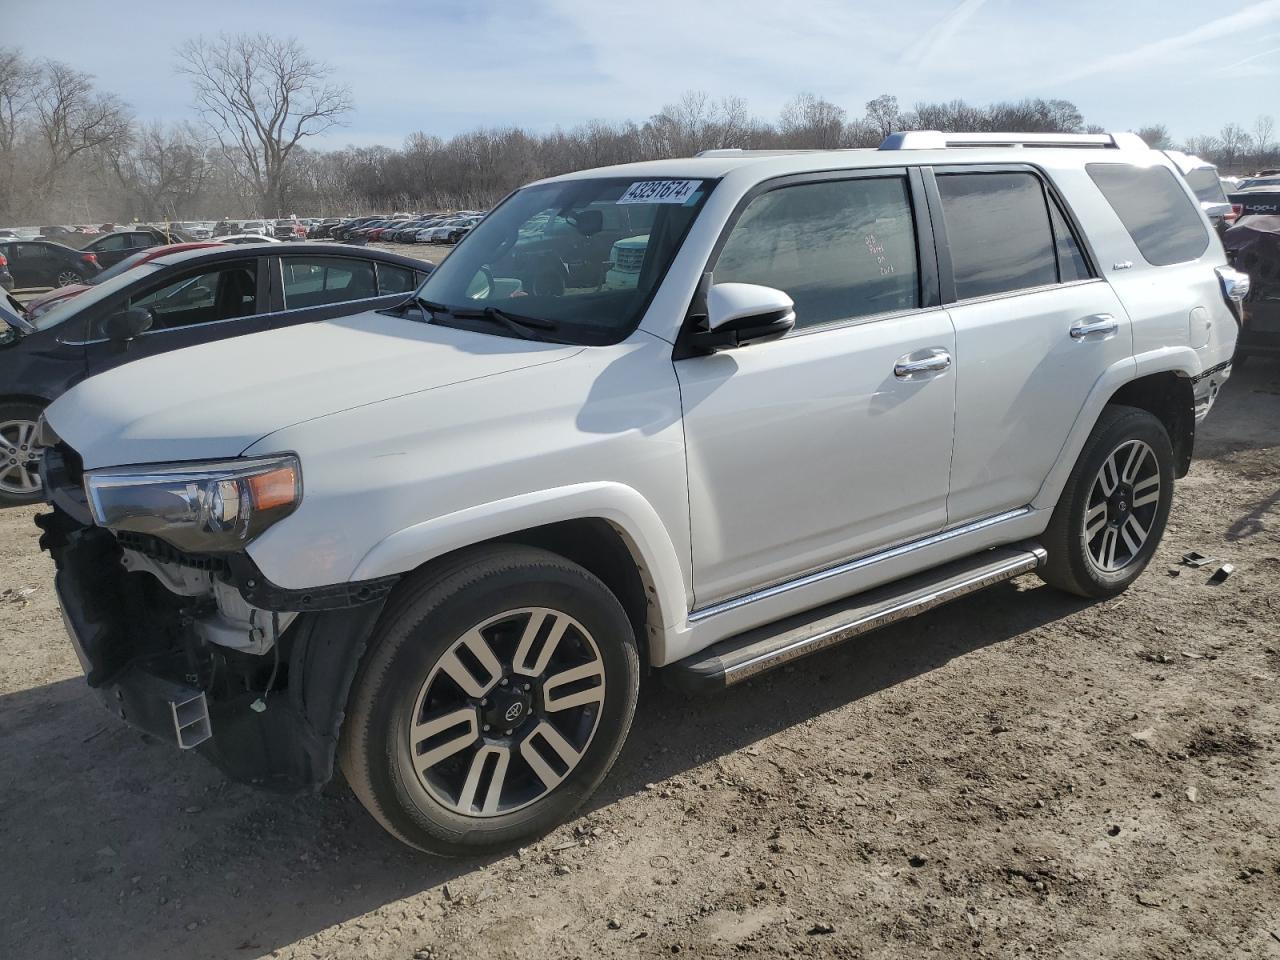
{"x":1034,"y":327}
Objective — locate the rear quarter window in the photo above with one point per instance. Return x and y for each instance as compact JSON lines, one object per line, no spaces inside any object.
{"x":1166,"y":226}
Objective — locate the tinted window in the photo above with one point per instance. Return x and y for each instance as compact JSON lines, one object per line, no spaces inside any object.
{"x":395,"y":279}
{"x":998,"y":232}
{"x":222,"y":294}
{"x":1205,"y":185}
{"x":117,"y":242}
{"x":31,"y":251}
{"x":1155,"y":209}
{"x":1071,"y":262}
{"x":315,"y":281}
{"x":839,"y":249}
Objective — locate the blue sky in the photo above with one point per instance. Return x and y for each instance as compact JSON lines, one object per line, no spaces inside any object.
{"x":444,"y":67}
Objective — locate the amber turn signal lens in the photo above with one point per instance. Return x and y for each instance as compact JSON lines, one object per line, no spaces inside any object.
{"x":278,"y":488}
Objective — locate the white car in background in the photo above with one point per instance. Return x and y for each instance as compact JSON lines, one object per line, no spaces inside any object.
{"x":449,"y":228}
{"x":256,"y":226}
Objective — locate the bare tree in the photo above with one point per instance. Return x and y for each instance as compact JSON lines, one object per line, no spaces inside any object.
{"x":72,"y":118}
{"x":882,"y":114}
{"x":1156,"y":136}
{"x":810,"y":121}
{"x":1234,"y":140}
{"x":1263,"y":130}
{"x":161,"y":169}
{"x":261,"y":96}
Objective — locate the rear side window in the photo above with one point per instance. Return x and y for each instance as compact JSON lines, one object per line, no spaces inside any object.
{"x":840,"y":249}
{"x":315,"y":281}
{"x":999,"y":233}
{"x":1154,"y":208}
{"x":1204,"y":183}
{"x":393,"y":279}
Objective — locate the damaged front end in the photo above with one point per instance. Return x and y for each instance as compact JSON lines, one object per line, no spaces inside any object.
{"x":199,"y":649}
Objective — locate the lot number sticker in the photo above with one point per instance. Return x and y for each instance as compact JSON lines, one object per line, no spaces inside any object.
{"x":660,"y":191}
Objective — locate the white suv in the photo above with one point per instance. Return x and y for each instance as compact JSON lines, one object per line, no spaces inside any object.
{"x":441,"y":544}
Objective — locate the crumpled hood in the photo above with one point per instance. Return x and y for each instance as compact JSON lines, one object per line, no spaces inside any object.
{"x":217,"y":399}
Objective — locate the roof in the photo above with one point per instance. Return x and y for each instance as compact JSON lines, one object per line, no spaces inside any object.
{"x":917,"y":148}
{"x":238,"y":252}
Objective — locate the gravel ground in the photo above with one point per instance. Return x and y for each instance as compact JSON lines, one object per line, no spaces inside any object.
{"x":1019,"y":773}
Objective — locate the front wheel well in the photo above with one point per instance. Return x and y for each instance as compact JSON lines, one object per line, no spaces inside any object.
{"x":1170,"y":398}
{"x":602,"y":549}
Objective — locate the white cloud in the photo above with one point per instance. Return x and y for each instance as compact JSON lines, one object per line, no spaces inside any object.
{"x":939,"y":37}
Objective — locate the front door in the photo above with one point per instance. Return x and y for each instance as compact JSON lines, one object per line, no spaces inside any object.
{"x":820,"y":446}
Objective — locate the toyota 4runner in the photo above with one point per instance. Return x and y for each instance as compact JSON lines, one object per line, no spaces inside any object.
{"x":439,"y":544}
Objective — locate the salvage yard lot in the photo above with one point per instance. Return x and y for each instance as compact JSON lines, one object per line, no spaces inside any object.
{"x":1018,"y":771}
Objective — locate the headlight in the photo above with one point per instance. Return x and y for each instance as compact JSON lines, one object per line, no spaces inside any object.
{"x":199,"y":507}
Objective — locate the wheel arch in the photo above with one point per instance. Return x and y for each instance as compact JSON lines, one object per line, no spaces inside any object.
{"x":1160,"y":382}
{"x":607,"y":528}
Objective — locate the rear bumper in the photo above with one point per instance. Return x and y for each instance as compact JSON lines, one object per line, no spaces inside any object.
{"x":1206,"y":386}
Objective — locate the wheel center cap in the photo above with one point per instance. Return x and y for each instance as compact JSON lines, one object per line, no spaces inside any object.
{"x":508,"y":708}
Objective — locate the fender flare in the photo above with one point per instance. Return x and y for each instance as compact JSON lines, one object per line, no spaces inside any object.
{"x":622,"y":506}
{"x":1182,"y":361}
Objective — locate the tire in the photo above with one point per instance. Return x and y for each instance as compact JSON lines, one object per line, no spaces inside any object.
{"x":406,"y":706}
{"x":1100,"y":561}
{"x":67,"y":277}
{"x":19,"y":481}
{"x":1239,"y":360}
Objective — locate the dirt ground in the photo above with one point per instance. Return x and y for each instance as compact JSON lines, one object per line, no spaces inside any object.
{"x":1017,"y":774}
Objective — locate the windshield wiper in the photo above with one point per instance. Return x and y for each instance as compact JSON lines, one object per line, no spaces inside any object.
{"x":529,"y":328}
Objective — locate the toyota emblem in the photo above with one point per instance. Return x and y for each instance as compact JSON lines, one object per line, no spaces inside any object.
{"x":513,"y":712}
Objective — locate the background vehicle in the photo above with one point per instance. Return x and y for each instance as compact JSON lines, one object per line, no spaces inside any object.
{"x":111,"y":248}
{"x":322,"y":228}
{"x":247,"y":238}
{"x":178,"y":300}
{"x":1258,"y":198}
{"x":289,"y":230}
{"x":255,"y":226}
{"x":1253,"y":245}
{"x":39,"y":305}
{"x":42,"y":263}
{"x":1203,"y":179}
{"x":470,"y":519}
{"x":225,"y":228}
{"x":6,"y":278}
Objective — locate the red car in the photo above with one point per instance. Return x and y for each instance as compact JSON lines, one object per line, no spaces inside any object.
{"x":58,"y":295}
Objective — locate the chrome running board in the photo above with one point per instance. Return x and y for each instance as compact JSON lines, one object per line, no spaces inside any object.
{"x":744,"y":656}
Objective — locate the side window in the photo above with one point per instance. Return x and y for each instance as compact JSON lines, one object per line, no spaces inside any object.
{"x":29,"y":251}
{"x":392,"y":279}
{"x":223,"y":294}
{"x":998,"y":232}
{"x":840,"y":249}
{"x":139,"y":240}
{"x":1071,"y":261}
{"x":315,"y":281}
{"x":118,"y":242}
{"x":1155,"y":209}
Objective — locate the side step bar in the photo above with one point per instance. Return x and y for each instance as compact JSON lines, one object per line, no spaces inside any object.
{"x":739,"y":658}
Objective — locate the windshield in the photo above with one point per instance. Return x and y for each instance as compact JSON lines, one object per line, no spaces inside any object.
{"x":583,"y":255}
{"x":1205,"y":185}
{"x":95,"y":294}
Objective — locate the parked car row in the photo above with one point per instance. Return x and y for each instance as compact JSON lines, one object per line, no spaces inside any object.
{"x":433,"y":228}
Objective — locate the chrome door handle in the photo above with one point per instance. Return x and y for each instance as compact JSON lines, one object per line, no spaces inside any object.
{"x":1102,"y":323}
{"x":917,"y":366}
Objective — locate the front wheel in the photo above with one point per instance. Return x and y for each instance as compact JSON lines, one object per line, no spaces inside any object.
{"x":1113,"y":509}
{"x":19,"y":458}
{"x":496,"y":695}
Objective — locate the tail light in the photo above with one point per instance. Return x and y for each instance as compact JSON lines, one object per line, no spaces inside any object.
{"x":1234,"y":215}
{"x":90,"y":258}
{"x":1235,"y":288}
{"x":4,"y":261}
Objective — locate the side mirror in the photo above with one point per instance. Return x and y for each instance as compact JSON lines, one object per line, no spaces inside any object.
{"x":739,"y":314}
{"x":127,"y":324}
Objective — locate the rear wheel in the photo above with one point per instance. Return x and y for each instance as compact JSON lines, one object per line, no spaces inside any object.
{"x":68,"y":277}
{"x":1113,"y":509}
{"x":19,"y":460}
{"x":496,"y":695}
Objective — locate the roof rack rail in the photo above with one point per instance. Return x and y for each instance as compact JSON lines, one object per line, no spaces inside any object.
{"x":743,"y":152}
{"x":937,"y":140}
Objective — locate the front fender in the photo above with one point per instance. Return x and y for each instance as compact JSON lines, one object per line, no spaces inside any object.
{"x":616,"y":503}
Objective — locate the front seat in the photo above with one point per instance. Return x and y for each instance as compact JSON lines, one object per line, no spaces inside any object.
{"x":236,"y":294}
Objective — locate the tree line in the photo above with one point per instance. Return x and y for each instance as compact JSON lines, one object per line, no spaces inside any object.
{"x":73,"y":153}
